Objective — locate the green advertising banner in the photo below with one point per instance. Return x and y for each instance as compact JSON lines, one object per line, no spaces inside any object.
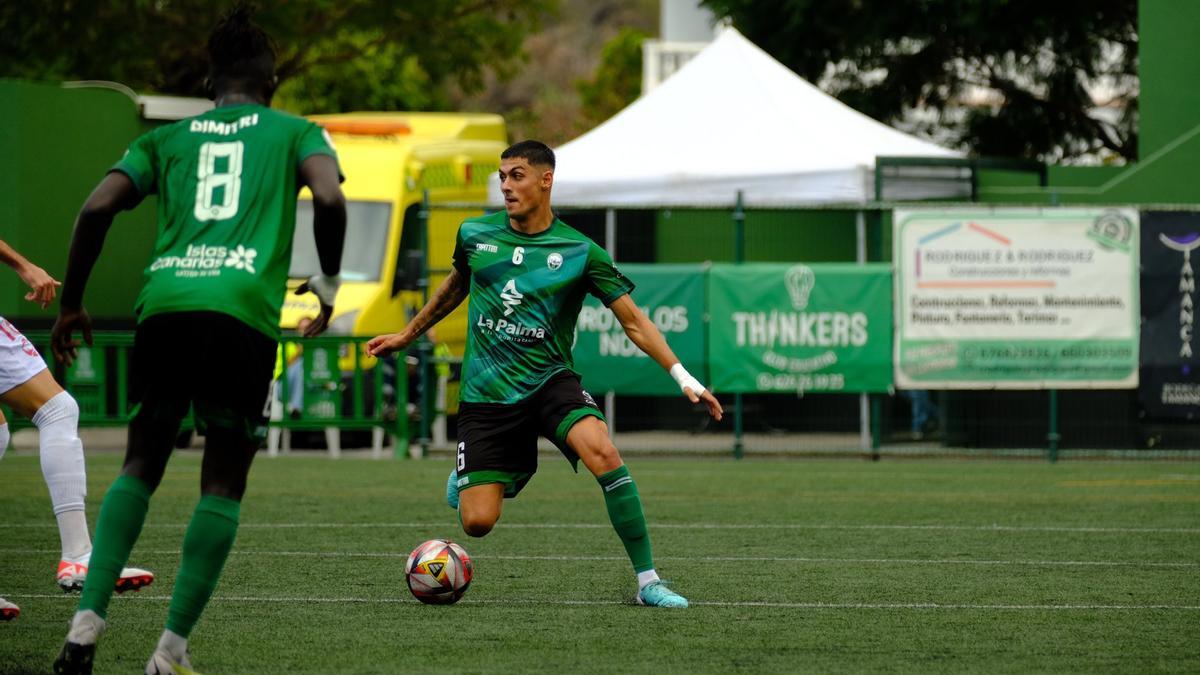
{"x":322,"y":399}
{"x":1016,"y":298}
{"x":800,"y":328}
{"x":672,"y":296}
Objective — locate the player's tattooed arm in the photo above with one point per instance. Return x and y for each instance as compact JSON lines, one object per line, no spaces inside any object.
{"x":448,"y":296}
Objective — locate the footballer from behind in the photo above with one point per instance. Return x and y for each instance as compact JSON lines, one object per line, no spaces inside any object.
{"x":527,"y":273}
{"x":208,"y":315}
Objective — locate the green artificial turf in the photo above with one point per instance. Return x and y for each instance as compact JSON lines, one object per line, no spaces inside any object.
{"x":790,"y":565}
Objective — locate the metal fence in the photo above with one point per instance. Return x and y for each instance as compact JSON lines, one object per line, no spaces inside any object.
{"x":335,"y":395}
{"x":1035,"y":423}
{"x":349,"y":400}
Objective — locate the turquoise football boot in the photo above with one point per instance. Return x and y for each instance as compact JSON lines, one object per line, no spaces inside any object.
{"x":656,"y":594}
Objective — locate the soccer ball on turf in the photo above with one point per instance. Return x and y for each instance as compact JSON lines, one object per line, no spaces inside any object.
{"x":439,"y":572}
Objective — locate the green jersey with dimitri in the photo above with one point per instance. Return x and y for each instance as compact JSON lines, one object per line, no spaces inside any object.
{"x":227,"y":182}
{"x":526,"y":293}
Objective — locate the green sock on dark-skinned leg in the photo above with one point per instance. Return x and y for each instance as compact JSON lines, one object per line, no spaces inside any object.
{"x":122,"y":514}
{"x":206,"y":546}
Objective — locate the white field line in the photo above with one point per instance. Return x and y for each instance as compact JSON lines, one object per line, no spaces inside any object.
{"x":723,"y":559}
{"x":682,"y":526}
{"x":701,"y":603}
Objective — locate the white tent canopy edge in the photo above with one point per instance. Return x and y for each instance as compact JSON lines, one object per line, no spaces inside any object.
{"x":733,"y":119}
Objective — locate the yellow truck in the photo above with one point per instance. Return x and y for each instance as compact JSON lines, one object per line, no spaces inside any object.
{"x":389,"y":161}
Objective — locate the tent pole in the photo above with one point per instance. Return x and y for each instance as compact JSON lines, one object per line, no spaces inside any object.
{"x":739,"y":256}
{"x":610,"y":245}
{"x":860,"y":237}
{"x":610,"y":233}
{"x":864,"y":400}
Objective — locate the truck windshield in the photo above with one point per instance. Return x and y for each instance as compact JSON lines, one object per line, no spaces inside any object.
{"x":366,"y":241}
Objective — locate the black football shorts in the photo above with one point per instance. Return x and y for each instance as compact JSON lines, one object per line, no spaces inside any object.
{"x":209,"y":361}
{"x":498,"y":441}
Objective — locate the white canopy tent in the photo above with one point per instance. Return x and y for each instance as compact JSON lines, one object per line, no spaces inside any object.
{"x":731,"y":119}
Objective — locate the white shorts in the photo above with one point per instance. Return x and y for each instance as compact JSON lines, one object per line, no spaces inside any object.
{"x":19,"y":361}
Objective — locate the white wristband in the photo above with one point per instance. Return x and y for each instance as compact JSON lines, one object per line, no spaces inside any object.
{"x":325,"y":287}
{"x":685,"y":380}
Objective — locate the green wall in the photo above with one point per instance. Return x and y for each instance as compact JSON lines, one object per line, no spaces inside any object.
{"x":57,"y":144}
{"x":1169,"y":72}
{"x":686,"y":235}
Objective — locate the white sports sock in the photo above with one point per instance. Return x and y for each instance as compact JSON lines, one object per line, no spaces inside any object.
{"x":646,"y":578}
{"x":62,"y":466}
{"x":173,"y":644}
{"x":4,"y":436}
{"x":73,"y":533}
{"x":86,"y":627}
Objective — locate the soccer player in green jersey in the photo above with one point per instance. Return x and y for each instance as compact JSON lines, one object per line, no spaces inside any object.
{"x":527,"y":273}
{"x":208,"y":314}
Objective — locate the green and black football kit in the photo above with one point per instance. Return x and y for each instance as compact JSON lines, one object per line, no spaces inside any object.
{"x":227,"y":183}
{"x":208,"y":317}
{"x":518,"y":380}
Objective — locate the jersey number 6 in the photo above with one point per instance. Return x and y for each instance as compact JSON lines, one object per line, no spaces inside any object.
{"x":518,"y":255}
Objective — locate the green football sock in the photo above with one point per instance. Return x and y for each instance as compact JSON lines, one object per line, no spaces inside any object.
{"x":625,"y":512}
{"x":122,"y":514}
{"x":206,"y":545}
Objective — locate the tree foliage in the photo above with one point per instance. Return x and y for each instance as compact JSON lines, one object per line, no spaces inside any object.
{"x":617,"y":81}
{"x":1005,"y":77}
{"x":334,"y":55}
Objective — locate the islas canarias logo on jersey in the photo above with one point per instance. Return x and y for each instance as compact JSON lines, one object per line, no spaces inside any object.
{"x":202,"y":260}
{"x":511,"y":297}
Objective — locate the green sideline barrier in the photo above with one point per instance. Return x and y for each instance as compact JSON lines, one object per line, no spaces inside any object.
{"x":765,"y":327}
{"x":99,"y":381}
{"x":797,"y":328}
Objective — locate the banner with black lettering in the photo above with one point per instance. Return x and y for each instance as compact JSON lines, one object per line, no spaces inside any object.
{"x":672,"y":296}
{"x":1170,"y":371}
{"x":1013,"y":298}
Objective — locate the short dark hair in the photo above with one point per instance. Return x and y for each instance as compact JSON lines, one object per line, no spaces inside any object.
{"x":240,"y":51}
{"x":536,"y":152}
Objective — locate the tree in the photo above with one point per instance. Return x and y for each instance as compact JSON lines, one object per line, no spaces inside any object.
{"x":1004,"y":77}
{"x":542,"y":100}
{"x":334,"y":55}
{"x":617,"y":81}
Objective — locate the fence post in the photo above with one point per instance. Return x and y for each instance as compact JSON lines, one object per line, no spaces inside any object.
{"x":423,"y":246}
{"x":424,"y":348}
{"x":866,"y":427}
{"x":739,"y":256}
{"x":425,"y":372}
{"x":402,"y":439}
{"x":1053,"y":436}
{"x":610,"y":245}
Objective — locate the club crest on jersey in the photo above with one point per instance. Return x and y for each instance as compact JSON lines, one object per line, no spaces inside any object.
{"x":554,"y":261}
{"x":511,"y":296}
